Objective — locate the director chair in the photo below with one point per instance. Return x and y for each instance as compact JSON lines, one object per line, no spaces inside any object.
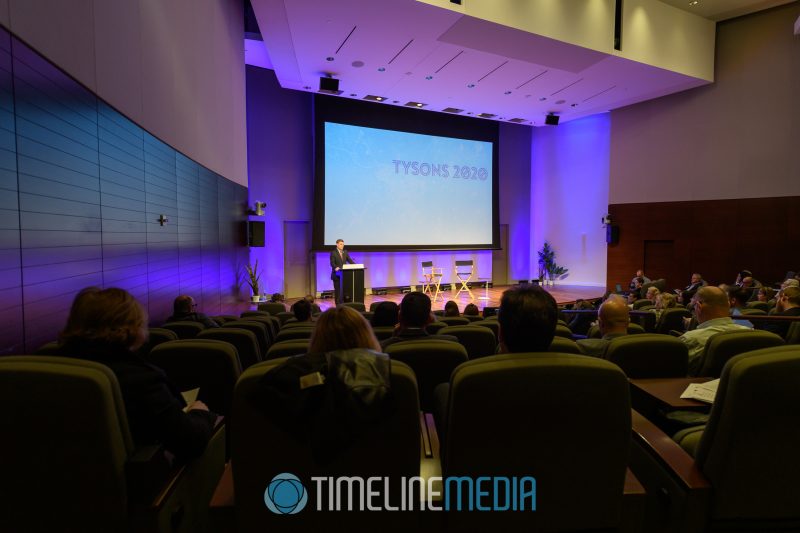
{"x":464,"y":271}
{"x":431,"y":279}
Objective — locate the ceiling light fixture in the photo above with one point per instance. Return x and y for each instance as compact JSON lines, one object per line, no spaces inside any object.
{"x":381,"y":69}
{"x":471,"y":86}
{"x":329,"y":58}
{"x":374,"y":98}
{"x":415,"y":104}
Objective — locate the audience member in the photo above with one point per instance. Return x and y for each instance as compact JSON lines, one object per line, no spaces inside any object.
{"x":342,"y":328}
{"x":688,"y":293}
{"x":451,"y":309}
{"x":792,"y":282}
{"x":766,"y":294}
{"x":472,"y":310}
{"x":414,"y":315}
{"x":184,"y":308}
{"x":738,"y":297}
{"x":581,"y":322}
{"x":741,"y":276}
{"x":612,"y":319}
{"x":302,"y":310}
{"x":108,"y":326}
{"x":651,"y":294}
{"x":638,"y":280}
{"x":277,"y":297}
{"x":712,"y":308}
{"x":528,"y":316}
{"x":315,"y":309}
{"x":787,"y":304}
{"x":385,"y":315}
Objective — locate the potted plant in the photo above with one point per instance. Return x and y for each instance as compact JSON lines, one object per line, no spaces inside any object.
{"x":254,"y":280}
{"x":547,"y":265}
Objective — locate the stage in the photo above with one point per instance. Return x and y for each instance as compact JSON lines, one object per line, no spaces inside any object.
{"x":564,"y":294}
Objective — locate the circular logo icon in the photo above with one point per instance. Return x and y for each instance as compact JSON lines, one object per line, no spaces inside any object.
{"x":285,"y":494}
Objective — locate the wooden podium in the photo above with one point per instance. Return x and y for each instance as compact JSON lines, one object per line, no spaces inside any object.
{"x":353,"y":282}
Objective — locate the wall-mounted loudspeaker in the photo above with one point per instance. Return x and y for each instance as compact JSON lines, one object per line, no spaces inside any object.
{"x":612,"y":234}
{"x":255,"y":233}
{"x":551,"y":119}
{"x":329,"y":85}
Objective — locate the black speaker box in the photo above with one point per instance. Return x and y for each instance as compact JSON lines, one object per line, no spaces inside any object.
{"x":255,"y":233}
{"x":551,"y":120}
{"x":329,"y":84}
{"x":612,"y":234}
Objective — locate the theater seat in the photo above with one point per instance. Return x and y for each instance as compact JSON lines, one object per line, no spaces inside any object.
{"x":297,"y":332}
{"x":564,"y":345}
{"x":185,"y":329}
{"x":383,"y":332}
{"x":649,"y":356}
{"x":722,"y":346}
{"x":633,"y":329}
{"x":262,"y":450}
{"x":671,"y":319}
{"x":743,"y":476}
{"x":479,"y":342}
{"x":210,"y":365}
{"x":454,"y":320}
{"x":563,"y":331}
{"x":358,"y":306}
{"x":287,"y":349}
{"x":273,"y":308}
{"x":494,"y":325}
{"x":563,"y":419}
{"x":432,"y":361}
{"x":434,"y":327}
{"x":258,"y":328}
{"x":72,"y":463}
{"x":244,"y":340}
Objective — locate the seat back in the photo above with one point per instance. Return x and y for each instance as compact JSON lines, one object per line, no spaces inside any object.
{"x":563,"y":331}
{"x":563,"y":419}
{"x":159,"y":335}
{"x":383,"y":332}
{"x":764,"y":306}
{"x":671,"y":319}
{"x":297,"y":332}
{"x":793,"y":335}
{"x":749,"y":447}
{"x":273,"y":308}
{"x":221,"y":319}
{"x":453,"y":320}
{"x":287,"y":349}
{"x":67,"y":424}
{"x":283,"y":316}
{"x":272,"y":324}
{"x":258,"y":328}
{"x":723,"y":346}
{"x":479,"y":342}
{"x":473,"y":318}
{"x":53,"y":348}
{"x":641,"y":303}
{"x":185,"y":329}
{"x":244,"y":340}
{"x":564,"y":345}
{"x":262,"y":450}
{"x":649,"y":355}
{"x":210,"y":365}
{"x":358,"y":306}
{"x":493,"y":325}
{"x":434,"y":327}
{"x":432,"y":362}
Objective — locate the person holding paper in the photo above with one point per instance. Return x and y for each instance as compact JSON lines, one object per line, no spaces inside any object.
{"x":339,"y":257}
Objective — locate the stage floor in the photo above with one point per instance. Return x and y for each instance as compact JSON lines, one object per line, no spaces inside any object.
{"x":563,"y":294}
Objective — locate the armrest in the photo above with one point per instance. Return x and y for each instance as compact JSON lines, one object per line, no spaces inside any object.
{"x":430,"y":461}
{"x":669,"y":454}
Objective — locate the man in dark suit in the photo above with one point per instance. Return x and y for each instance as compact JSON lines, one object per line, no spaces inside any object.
{"x":788,"y":304}
{"x":339,"y":257}
{"x":414,"y":315}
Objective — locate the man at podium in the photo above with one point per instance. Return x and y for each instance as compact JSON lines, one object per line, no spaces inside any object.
{"x":339,"y":257}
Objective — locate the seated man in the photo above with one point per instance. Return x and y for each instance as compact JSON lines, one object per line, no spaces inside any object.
{"x":739,"y":297}
{"x":712,"y":308}
{"x":414,"y":315}
{"x":612,"y":319}
{"x":184,"y":308}
{"x":638,"y":280}
{"x":686,"y":295}
{"x":788,"y":304}
{"x":527,"y":318}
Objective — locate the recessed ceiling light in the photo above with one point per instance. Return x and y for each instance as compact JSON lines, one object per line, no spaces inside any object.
{"x":329,"y":58}
{"x":507,"y":92}
{"x":357,"y":64}
{"x":486,"y":115}
{"x":471,"y":86}
{"x":694,"y":2}
{"x":307,"y":87}
{"x":452,"y":110}
{"x":561,"y":102}
{"x":543,"y":98}
{"x":374,"y":98}
{"x":381,"y":69}
{"x":428,"y":77}
{"x":352,"y":94}
{"x":573,"y":105}
{"x":415,"y":104}
{"x":516,"y":120}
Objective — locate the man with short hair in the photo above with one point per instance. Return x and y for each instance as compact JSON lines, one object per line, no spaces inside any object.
{"x":612,"y":320}
{"x":638,"y":280}
{"x":413,"y":316}
{"x":712,"y":308}
{"x":739,"y":296}
{"x":528,"y":316}
{"x":688,"y":293}
{"x":339,"y":257}
{"x":302,"y":310}
{"x":185,"y":308}
{"x":787,"y":304}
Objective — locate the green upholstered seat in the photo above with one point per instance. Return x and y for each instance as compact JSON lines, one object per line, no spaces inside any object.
{"x":649,"y":355}
{"x":297,"y":332}
{"x":383,"y":332}
{"x":244,"y":340}
{"x":454,"y":320}
{"x":287,"y":348}
{"x":273,"y":308}
{"x":434,"y":327}
{"x":185,"y":329}
{"x":671,"y":319}
{"x":259,"y":328}
{"x":722,"y":346}
{"x":564,"y":345}
{"x":479,"y":342}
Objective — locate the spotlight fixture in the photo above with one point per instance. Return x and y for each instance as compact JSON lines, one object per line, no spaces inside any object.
{"x":452,"y":110}
{"x":428,"y":77}
{"x":507,"y":92}
{"x":471,"y":86}
{"x":329,"y":58}
{"x":374,"y":98}
{"x":517,"y":120}
{"x":486,"y":115}
{"x":382,"y":69}
{"x":415,"y":104}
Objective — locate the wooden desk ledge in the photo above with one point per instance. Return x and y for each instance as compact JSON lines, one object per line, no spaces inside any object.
{"x":668,"y":452}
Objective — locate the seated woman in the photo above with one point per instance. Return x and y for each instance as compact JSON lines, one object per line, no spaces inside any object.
{"x":472,"y":310}
{"x":451,"y":309}
{"x":385,"y":315}
{"x":664,"y":300}
{"x":108,"y":326}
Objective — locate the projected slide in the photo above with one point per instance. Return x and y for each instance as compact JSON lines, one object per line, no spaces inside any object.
{"x":391,"y":188}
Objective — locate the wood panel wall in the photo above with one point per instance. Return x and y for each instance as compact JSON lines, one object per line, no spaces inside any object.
{"x":82,"y":189}
{"x":715,"y":237}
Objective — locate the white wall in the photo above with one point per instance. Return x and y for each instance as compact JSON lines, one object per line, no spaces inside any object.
{"x":175,"y":67}
{"x":569,"y":196}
